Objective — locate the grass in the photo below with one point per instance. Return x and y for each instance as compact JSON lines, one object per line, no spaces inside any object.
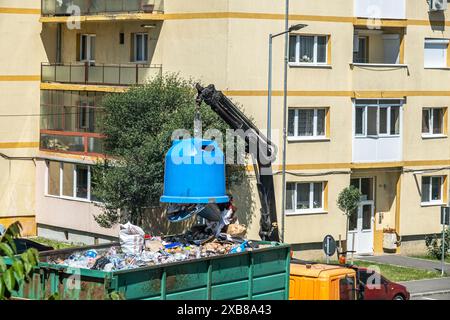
{"x":56,"y":244}
{"x":428,"y":257}
{"x":397,"y":273}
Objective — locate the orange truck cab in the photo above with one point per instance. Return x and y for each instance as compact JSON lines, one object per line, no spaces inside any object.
{"x":321,"y":282}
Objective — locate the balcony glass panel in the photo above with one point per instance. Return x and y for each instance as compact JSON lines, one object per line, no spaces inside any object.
{"x":62,"y":74}
{"x":148,"y":73}
{"x":48,"y":73}
{"x":90,"y":7}
{"x":128,"y":75}
{"x":380,"y":9}
{"x":95,"y":74}
{"x":61,"y":143}
{"x":115,"y":5}
{"x":111,"y":75}
{"x":95,"y":145}
{"x":77,"y":74}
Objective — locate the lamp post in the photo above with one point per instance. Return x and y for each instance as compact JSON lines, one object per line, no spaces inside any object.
{"x":269,"y":102}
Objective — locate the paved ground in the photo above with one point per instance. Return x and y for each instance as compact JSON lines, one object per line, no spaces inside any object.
{"x":407,"y":262}
{"x":438,"y":296}
{"x":428,"y":287}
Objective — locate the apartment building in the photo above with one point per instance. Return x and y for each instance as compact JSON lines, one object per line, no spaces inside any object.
{"x":368,"y":97}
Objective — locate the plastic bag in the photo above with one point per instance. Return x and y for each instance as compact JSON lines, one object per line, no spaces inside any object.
{"x":131,"y":238}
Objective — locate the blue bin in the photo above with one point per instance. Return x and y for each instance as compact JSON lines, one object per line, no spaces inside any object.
{"x":194,"y":173}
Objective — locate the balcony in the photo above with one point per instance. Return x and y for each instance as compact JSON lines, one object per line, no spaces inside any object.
{"x":99,"y":7}
{"x":99,"y":74}
{"x":380,"y":9}
{"x":377,"y":130}
{"x":378,"y":60}
{"x":72,"y":142}
{"x":70,"y":122}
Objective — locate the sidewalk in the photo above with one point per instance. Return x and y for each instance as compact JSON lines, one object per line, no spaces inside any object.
{"x":427,"y":287}
{"x":410,"y":262}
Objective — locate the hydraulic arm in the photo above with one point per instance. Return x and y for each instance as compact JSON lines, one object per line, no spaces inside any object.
{"x":262,"y":150}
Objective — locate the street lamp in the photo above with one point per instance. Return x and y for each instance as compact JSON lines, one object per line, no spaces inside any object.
{"x":295,"y":27}
{"x":288,"y":29}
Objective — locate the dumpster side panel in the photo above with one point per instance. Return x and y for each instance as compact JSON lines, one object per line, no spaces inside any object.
{"x":258,"y":274}
{"x":143,"y":284}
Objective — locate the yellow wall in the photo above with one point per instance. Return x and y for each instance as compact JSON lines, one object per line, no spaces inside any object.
{"x":21,"y":54}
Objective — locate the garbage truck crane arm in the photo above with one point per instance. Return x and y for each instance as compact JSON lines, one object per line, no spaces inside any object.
{"x":263,"y":152}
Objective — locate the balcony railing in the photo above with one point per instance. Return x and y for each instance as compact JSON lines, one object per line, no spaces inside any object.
{"x":119,"y":75}
{"x":380,"y":9}
{"x":82,"y":143}
{"x":97,"y":7}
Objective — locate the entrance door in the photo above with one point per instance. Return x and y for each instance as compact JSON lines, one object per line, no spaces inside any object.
{"x":361,"y":226}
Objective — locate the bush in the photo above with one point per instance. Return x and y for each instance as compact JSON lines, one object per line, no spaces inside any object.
{"x":434,"y":245}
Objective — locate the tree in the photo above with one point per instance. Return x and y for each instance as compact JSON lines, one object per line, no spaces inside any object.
{"x":347,"y":202}
{"x":138,"y":126}
{"x":17,"y":270}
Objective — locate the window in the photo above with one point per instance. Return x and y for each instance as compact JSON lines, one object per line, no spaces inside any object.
{"x":69,"y":180}
{"x":307,"y":123}
{"x":304,"y":197}
{"x":87,"y":47}
{"x":140,"y":47}
{"x":436,"y":53}
{"x":308,"y":49}
{"x":432,"y":189}
{"x":433,"y":121}
{"x":377,"y":118}
{"x":361,"y":54}
{"x":365,"y":186}
{"x":347,"y":288}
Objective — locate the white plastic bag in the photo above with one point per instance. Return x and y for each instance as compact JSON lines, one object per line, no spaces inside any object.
{"x":131,"y":238}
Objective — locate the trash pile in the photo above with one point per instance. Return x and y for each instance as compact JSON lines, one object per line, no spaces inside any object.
{"x":138,"y":250}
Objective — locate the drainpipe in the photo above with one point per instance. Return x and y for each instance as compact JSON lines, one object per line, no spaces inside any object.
{"x":58,"y":42}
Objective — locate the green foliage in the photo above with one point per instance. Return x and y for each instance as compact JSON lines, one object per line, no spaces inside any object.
{"x":348,"y":200}
{"x":138,"y":126}
{"x":434,"y":245}
{"x":19,"y":268}
{"x":115,"y":296}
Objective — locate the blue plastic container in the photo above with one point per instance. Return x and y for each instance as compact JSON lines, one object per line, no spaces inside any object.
{"x":194,"y":173}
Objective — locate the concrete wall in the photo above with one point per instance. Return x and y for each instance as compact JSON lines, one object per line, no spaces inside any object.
{"x":62,"y":213}
{"x":21,"y":54}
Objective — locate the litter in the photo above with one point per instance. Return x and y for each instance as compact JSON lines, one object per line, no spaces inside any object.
{"x":131,"y":238}
{"x":161,"y":251}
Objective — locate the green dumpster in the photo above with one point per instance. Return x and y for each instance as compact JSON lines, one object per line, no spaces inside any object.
{"x":260,"y":274}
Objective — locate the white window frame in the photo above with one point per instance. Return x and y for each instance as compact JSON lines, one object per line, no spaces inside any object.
{"x":433,"y":202}
{"x":311,"y":208}
{"x":135,"y":53}
{"x":379,"y":105}
{"x":88,"y":47}
{"x":297,"y":51}
{"x":359,"y":187}
{"x":430,"y":133}
{"x":441,"y":42}
{"x":61,"y":182}
{"x":315,"y":136}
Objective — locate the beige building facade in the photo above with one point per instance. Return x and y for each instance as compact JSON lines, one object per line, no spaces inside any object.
{"x":368,"y":97}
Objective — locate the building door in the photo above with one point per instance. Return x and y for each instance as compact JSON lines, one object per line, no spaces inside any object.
{"x":361,"y":225}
